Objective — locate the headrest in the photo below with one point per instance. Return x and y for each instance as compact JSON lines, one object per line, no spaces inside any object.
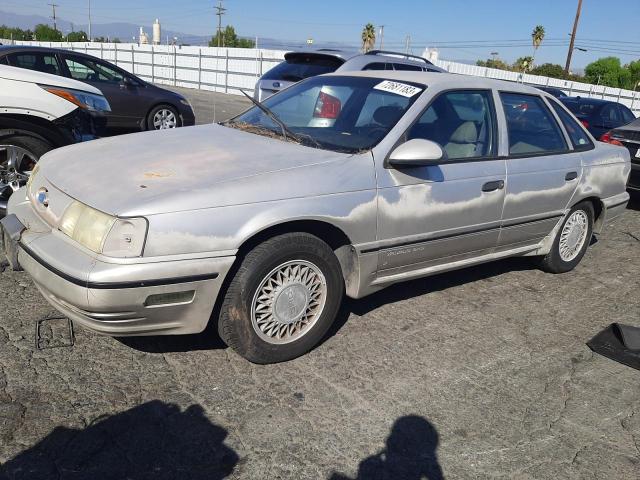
{"x":465,"y":133}
{"x":387,"y":115}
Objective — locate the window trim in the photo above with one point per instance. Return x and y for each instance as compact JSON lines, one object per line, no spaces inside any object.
{"x":495,"y":130}
{"x":576,"y":148}
{"x":534,"y":154}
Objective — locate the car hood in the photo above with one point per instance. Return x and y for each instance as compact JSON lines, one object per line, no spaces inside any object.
{"x":136,"y":174}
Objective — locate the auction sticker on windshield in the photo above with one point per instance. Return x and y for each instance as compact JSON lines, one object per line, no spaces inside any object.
{"x":398,"y":88}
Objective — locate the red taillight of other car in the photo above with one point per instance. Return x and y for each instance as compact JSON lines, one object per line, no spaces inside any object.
{"x":607,"y":138}
{"x":327,"y":106}
{"x":584,"y":123}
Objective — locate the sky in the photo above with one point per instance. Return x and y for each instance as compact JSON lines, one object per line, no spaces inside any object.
{"x":464,"y":30}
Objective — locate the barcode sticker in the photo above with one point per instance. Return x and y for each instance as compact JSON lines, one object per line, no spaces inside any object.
{"x":398,"y":88}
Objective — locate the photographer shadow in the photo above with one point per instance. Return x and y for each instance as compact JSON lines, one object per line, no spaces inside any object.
{"x":155,"y":440}
{"x":410,"y":454}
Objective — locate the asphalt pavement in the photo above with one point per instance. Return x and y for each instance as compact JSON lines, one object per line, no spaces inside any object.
{"x":479,"y":373}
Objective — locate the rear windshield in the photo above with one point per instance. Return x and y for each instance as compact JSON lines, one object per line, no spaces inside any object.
{"x":581,"y":108}
{"x":299,"y":67}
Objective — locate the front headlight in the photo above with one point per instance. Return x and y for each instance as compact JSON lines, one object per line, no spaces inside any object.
{"x":85,"y":100}
{"x":102,"y":233}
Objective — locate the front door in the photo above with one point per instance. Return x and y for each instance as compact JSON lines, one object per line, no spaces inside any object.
{"x":123,"y":97}
{"x":441,"y":214}
{"x":542,"y":172}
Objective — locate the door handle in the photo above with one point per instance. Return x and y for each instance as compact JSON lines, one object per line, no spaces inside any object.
{"x":492,"y":186}
{"x":571,"y":176}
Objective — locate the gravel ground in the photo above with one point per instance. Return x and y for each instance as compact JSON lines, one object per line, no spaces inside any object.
{"x":479,"y":373}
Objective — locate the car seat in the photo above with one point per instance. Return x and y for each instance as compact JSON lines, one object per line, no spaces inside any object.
{"x":462,"y":143}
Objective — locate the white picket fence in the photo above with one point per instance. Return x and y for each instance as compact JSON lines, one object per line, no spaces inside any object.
{"x":230,"y":69}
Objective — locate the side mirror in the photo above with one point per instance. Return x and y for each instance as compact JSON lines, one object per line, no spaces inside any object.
{"x":127,"y":83}
{"x":417,"y":153}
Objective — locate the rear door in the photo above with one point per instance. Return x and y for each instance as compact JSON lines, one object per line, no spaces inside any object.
{"x":542,"y":170}
{"x":123,"y":97}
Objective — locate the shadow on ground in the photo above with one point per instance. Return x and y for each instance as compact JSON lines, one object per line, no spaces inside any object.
{"x":209,"y":339}
{"x":155,"y":440}
{"x":410,"y":454}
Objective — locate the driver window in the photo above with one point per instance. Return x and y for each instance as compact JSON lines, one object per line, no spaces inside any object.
{"x":461,"y":122}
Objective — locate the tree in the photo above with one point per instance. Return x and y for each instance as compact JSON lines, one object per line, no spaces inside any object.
{"x":44,"y":33}
{"x":15,"y":33}
{"x":608,"y":71}
{"x":77,"y":37}
{"x":537,"y":36}
{"x":368,"y":37}
{"x":493,"y":63}
{"x":230,"y":39}
{"x":549,"y":70}
{"x":634,"y":70}
{"x":523,"y":64}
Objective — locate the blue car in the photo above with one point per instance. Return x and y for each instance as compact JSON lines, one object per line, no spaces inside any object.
{"x":598,"y":116}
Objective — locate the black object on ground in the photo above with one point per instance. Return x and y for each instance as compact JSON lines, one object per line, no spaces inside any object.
{"x":620,"y":343}
{"x":54,"y":331}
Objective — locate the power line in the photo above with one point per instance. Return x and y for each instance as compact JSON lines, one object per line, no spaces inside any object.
{"x":53,"y":6}
{"x":220,"y":12}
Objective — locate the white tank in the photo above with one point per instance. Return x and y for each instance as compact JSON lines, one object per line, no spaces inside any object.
{"x":143,"y":37}
{"x":156,"y":32}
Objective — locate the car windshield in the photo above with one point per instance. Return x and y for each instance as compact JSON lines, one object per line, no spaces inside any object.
{"x":346,"y":114}
{"x":299,"y":67}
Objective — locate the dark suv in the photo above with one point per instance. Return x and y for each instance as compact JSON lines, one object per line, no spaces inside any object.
{"x":135,"y":104}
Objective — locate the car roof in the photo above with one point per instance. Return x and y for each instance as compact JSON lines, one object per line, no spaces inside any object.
{"x":447,"y":80}
{"x":7,"y":49}
{"x":586,"y":100}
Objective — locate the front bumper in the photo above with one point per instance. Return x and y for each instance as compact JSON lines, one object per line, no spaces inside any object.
{"x":113,"y":298}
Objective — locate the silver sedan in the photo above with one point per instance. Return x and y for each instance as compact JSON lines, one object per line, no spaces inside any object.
{"x":341,"y":184}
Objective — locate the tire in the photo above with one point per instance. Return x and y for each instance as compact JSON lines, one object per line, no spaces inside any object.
{"x":28,"y":151}
{"x":263,"y":327}
{"x":163,"y":117}
{"x":566,"y":254}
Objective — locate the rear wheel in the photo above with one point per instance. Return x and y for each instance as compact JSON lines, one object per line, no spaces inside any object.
{"x":163,"y":117}
{"x":282,"y":300}
{"x":572,"y":240}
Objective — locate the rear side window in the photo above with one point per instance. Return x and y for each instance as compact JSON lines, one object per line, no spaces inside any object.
{"x":579,"y":138}
{"x":42,"y":62}
{"x":580,"y":108}
{"x":610,"y":114}
{"x":627,"y":115}
{"x":299,"y":67}
{"x":531,"y":127}
{"x":3,"y":61}
{"x":378,"y":66}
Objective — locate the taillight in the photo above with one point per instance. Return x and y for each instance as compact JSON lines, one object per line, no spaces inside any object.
{"x":585,"y":123}
{"x":607,"y":138}
{"x":327,"y":106}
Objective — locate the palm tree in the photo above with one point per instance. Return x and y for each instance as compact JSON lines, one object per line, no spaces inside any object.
{"x":537,"y":36}
{"x":368,"y":37}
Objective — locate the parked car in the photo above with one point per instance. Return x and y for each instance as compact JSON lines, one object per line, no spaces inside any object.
{"x":598,"y":116}
{"x":628,"y":136}
{"x":419,"y":174}
{"x":556,"y":92}
{"x":135,"y":104}
{"x":303,"y":64}
{"x":40,"y":112}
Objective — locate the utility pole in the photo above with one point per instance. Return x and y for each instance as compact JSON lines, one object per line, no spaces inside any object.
{"x":573,"y":37}
{"x":407,"y":46}
{"x":381,"y":36}
{"x":220,"y":12}
{"x":90,"y":37}
{"x":53,"y":6}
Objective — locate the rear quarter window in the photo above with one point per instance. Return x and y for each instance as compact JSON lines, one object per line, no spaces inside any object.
{"x":579,"y":137}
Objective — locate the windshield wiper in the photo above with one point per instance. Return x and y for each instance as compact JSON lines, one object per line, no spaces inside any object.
{"x":285,"y":130}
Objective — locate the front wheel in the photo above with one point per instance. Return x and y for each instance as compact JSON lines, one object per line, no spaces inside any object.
{"x":572,"y":240}
{"x":282,"y":300}
{"x":18,"y":156}
{"x":163,"y":117}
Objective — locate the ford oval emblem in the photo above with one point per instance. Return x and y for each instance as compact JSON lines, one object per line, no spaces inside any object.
{"x":42,"y":197}
{"x":276,"y":84}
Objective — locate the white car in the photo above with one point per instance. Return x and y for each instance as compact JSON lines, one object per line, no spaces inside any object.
{"x":40,"y":112}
